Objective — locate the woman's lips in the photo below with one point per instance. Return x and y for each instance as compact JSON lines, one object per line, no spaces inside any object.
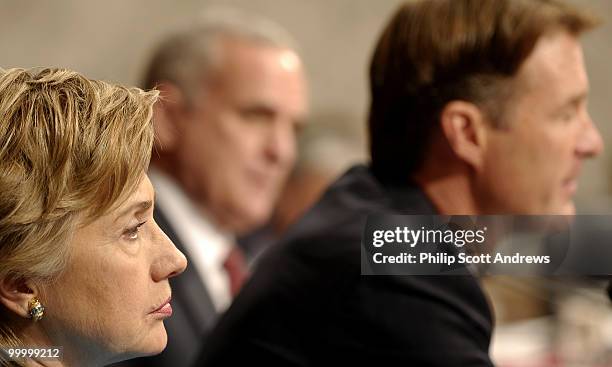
{"x":164,"y":309}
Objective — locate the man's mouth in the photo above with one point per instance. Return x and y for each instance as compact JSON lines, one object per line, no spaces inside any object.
{"x":571,"y":186}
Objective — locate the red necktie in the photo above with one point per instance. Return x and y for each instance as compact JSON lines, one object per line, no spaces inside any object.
{"x":236,"y":268}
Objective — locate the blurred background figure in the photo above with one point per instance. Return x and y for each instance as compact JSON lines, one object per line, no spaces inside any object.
{"x":327,"y":147}
{"x":233,"y":97}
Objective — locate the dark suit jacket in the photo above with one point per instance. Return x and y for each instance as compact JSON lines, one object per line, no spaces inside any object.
{"x":307,"y":304}
{"x":192,"y":318}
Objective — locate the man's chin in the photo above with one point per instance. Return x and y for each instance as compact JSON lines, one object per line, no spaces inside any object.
{"x":566,"y":209}
{"x":251,"y":219}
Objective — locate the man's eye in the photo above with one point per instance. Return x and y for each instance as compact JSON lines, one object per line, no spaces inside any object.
{"x":570,"y":114}
{"x":132,"y":233}
{"x":257,"y":114}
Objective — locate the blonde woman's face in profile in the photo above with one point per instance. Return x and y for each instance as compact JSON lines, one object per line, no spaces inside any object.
{"x":113,"y":297}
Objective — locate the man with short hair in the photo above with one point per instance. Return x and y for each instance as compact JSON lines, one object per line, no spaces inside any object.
{"x":478,"y":107}
{"x":233,"y":96}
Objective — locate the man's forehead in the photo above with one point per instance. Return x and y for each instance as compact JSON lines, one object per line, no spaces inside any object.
{"x":556,"y":59}
{"x":265,"y":74}
{"x":233,"y":53}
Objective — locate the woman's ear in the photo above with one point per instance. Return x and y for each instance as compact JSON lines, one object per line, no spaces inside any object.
{"x":16,"y":294}
{"x":464,"y":127}
{"x":166,"y":114}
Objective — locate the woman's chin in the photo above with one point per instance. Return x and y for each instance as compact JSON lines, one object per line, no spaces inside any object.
{"x":153,"y":344}
{"x":157,"y":341}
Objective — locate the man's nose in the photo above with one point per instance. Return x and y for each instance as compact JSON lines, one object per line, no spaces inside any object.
{"x":280,"y":144}
{"x":590,"y":144}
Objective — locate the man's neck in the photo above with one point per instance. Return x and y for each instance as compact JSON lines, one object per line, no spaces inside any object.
{"x":451,"y":193}
{"x":165,"y":164}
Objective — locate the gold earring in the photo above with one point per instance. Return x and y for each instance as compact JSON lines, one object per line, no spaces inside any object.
{"x":36,"y":309}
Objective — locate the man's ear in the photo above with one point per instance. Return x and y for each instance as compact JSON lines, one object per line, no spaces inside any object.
{"x":166,"y":114}
{"x":16,"y":293}
{"x":464,"y":126}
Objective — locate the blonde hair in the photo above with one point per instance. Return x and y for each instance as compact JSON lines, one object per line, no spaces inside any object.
{"x":71,"y":149}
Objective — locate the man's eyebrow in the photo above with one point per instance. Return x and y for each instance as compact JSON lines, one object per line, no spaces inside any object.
{"x":577,"y":99}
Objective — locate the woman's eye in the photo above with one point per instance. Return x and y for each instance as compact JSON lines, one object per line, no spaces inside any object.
{"x":132,"y":233}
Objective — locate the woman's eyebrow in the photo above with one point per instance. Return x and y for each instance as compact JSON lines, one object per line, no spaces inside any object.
{"x":137,"y":206}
